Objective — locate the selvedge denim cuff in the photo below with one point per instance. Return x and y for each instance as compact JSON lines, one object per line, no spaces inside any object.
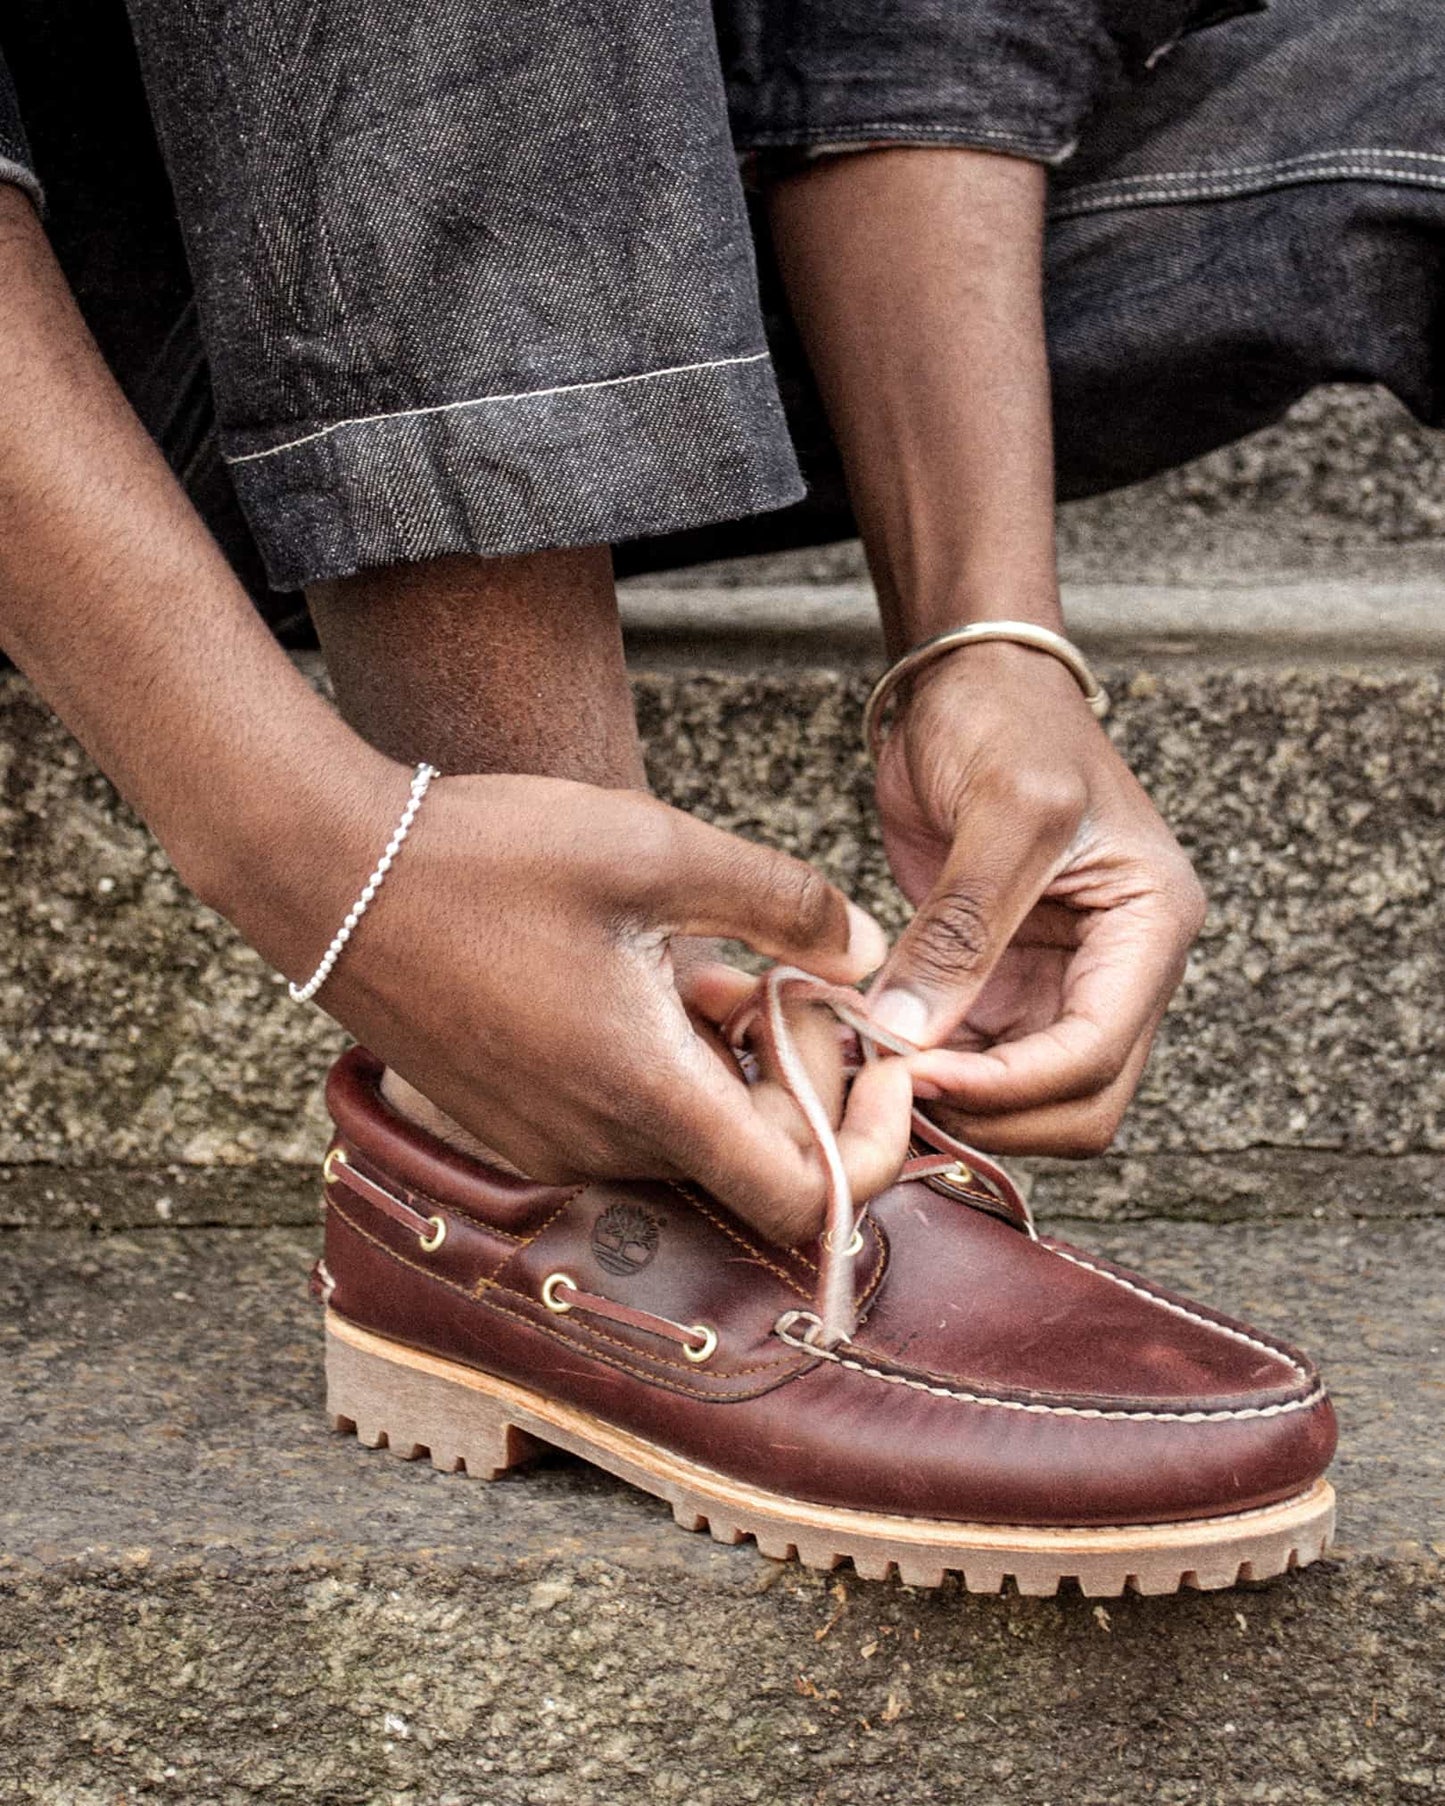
{"x":569,"y":464}
{"x":473,"y":277}
{"x":1016,"y":76}
{"x":14,"y":150}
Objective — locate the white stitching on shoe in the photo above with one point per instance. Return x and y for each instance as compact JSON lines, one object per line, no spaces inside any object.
{"x":481,"y":401}
{"x":782,"y":1327}
{"x":1165,"y":1304}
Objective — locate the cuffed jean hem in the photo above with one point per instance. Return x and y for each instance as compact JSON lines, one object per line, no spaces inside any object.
{"x":578,"y":464}
{"x":15,"y":174}
{"x":913,"y":121}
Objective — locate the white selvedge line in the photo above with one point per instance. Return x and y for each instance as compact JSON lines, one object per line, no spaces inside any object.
{"x":1281,"y":165}
{"x":482,"y":401}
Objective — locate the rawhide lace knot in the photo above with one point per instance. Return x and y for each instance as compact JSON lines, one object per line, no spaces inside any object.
{"x":966,"y":1172}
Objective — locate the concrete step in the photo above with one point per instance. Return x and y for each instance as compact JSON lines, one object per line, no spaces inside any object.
{"x":1347,"y":475}
{"x":1291,"y":733}
{"x":205,"y":1596}
{"x":1320,"y":621}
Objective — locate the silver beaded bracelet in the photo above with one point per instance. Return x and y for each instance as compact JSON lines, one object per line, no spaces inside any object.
{"x":419,"y":784}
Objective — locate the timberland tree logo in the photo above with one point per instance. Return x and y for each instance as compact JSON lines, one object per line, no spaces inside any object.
{"x":624,"y":1238}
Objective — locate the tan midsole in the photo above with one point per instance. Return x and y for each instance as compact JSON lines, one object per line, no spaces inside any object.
{"x":659,"y":1470}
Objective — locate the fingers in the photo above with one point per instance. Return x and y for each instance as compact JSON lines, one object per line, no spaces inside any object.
{"x":1000,"y":862}
{"x":1073,"y":1130}
{"x":1128,"y":962}
{"x":710,"y":988}
{"x":748,"y":1145}
{"x":709,"y":882}
{"x":818,"y":1040}
{"x":873,"y":1137}
{"x":749,"y":1163}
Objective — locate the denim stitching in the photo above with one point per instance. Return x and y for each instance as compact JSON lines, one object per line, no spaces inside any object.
{"x":1264,"y":169}
{"x":478,"y":401}
{"x":1316,"y":166}
{"x":1048,"y":150}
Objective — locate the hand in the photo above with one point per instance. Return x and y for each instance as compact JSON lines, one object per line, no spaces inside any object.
{"x":1055,"y":908}
{"x":518,"y":969}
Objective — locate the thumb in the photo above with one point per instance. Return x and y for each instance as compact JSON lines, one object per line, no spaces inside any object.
{"x":720,"y":884}
{"x":987,"y":887}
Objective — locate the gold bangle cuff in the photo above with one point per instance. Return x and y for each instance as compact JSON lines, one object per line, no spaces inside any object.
{"x":1020,"y":633}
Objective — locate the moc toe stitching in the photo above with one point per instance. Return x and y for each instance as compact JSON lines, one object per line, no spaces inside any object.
{"x":993,"y":1379}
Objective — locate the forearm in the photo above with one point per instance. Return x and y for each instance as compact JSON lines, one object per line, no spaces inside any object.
{"x":122,"y":611}
{"x":915,"y":277}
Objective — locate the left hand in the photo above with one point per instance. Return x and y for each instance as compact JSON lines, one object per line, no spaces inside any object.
{"x":1055,"y":908}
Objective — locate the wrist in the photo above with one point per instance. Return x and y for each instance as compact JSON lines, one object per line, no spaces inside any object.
{"x":288,"y":836}
{"x":919,"y":618}
{"x":992,"y":667}
{"x":999,"y":672}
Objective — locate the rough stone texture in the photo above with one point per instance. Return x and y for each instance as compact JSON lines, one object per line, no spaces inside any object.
{"x":42,"y":1195}
{"x":1346,"y":472}
{"x":1259,"y":1185}
{"x":206,"y":1597}
{"x":134,"y":1028}
{"x":607,"y":1680}
{"x":1266,"y":1185}
{"x":1314,"y":803}
{"x":1348,"y":469}
{"x":1291,"y":622}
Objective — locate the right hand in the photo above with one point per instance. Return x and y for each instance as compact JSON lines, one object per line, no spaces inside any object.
{"x":518,"y":969}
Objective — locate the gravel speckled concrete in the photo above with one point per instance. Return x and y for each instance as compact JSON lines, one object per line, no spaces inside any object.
{"x":1314,"y":803}
{"x":206,"y":1597}
{"x":1256,"y":1184}
{"x":134,"y":1028}
{"x":1347,"y":471}
{"x":35,"y":1195}
{"x":1267,"y":1185}
{"x":1247,"y":621}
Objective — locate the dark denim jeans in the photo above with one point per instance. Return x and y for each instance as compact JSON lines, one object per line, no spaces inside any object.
{"x":479,"y":276}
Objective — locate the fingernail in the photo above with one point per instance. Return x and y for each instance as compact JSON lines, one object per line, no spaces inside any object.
{"x":867,"y":943}
{"x":902,"y":1014}
{"x":927,"y":1090}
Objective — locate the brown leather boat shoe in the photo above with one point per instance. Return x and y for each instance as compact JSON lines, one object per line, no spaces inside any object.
{"x":1005,"y":1406}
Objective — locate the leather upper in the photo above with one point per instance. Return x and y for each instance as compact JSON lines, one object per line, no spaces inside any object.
{"x":992,"y":1378}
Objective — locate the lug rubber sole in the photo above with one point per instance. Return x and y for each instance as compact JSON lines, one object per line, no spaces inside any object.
{"x":415,"y":1404}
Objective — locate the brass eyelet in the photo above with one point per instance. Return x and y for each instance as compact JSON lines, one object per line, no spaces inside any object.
{"x":855,"y":1241}
{"x":705,"y":1348}
{"x":430,"y":1243}
{"x":959,"y":1174}
{"x":334,"y":1158}
{"x":549,"y":1292}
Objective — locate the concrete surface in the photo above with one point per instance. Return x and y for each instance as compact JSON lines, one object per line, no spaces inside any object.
{"x":204,"y":1596}
{"x":1347,"y":622}
{"x":1263,"y":1185}
{"x":135,"y":1030}
{"x":1346,"y":475}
